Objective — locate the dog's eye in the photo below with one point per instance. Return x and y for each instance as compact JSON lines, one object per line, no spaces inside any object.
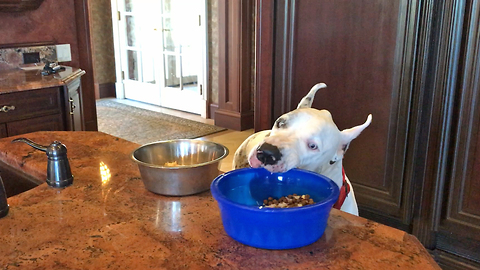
{"x":281,"y":122}
{"x":312,"y":146}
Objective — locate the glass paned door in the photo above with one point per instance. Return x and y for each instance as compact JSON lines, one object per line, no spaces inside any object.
{"x":182,"y":61}
{"x":162,"y":44}
{"x":139,"y":49}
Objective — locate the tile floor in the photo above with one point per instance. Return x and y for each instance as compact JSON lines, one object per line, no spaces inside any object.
{"x":230,"y":138}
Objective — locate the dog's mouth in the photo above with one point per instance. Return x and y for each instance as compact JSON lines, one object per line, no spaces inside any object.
{"x":255,"y":163}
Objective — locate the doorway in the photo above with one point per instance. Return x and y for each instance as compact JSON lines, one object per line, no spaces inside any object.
{"x":160,"y":52}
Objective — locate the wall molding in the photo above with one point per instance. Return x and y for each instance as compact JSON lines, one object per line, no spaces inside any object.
{"x":31,"y":44}
{"x":235,"y":110}
{"x":82,"y":20}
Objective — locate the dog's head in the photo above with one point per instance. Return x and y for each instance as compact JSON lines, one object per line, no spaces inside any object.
{"x":304,"y":138}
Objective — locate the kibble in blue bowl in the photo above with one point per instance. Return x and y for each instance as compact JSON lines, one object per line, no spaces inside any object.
{"x":240,"y":195}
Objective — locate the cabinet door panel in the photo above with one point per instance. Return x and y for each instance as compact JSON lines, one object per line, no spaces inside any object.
{"x":75,"y":120}
{"x":76,"y":113}
{"x":459,"y":222}
{"x":361,"y":49}
{"x":362,"y":74}
{"x":44,"y":123}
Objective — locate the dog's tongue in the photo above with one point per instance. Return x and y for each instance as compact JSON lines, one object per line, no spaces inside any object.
{"x":254,"y":162}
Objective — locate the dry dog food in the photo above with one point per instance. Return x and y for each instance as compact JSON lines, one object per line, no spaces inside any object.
{"x":171,"y":164}
{"x":289,"y":201}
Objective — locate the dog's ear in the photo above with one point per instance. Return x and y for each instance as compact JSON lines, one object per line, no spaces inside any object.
{"x":347,"y":135}
{"x":307,"y":101}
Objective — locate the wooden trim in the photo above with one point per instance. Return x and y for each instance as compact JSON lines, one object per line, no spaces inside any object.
{"x":274,"y":85}
{"x":264,"y":64}
{"x":86,"y":63}
{"x":29,"y":44}
{"x":19,"y":5}
{"x":283,"y":55}
{"x":105,"y":90}
{"x":213,"y":108}
{"x":233,"y":120}
{"x":418,"y":143}
{"x":235,"y":65}
{"x":450,"y":261}
{"x":437,"y":84}
{"x":66,"y":107}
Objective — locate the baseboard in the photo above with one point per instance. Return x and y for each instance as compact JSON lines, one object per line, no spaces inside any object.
{"x":452,"y":262}
{"x":233,"y":120}
{"x":212,"y":109}
{"x":105,"y":90}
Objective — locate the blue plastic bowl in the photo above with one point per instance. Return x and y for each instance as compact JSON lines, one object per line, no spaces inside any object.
{"x":240,"y":193}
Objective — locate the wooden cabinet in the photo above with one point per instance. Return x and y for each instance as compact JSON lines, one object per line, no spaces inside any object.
{"x":27,"y":107}
{"x":324,"y":41}
{"x":32,"y":110}
{"x":75,"y":119}
{"x":416,"y":167}
{"x":449,"y":197}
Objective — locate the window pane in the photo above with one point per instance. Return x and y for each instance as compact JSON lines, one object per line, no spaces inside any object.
{"x":172,"y":71}
{"x":168,"y":42}
{"x":148,"y":68}
{"x":131,"y":38}
{"x":132,"y":65}
{"x":129,"y":5}
{"x":189,"y":71}
{"x":167,"y":6}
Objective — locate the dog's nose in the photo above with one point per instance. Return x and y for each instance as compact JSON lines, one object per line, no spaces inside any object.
{"x":268,"y":154}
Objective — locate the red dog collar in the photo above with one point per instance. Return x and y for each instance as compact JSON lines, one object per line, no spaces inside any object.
{"x":344,"y":190}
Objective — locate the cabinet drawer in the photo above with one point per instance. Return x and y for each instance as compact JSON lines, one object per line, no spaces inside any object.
{"x":43,"y":123}
{"x":28,"y":104}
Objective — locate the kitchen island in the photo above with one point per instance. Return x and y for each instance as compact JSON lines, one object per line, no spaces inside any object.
{"x":108,"y":220}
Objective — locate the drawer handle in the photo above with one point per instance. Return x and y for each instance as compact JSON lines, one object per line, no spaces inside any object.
{"x":7,"y":108}
{"x":72,"y":106}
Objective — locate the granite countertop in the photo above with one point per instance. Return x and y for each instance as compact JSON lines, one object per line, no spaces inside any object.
{"x":108,"y":220}
{"x":15,"y":80}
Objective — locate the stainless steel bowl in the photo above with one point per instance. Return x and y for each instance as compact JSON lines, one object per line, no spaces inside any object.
{"x":179,"y":167}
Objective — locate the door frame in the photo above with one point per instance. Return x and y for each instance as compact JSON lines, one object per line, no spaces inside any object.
{"x":119,"y":86}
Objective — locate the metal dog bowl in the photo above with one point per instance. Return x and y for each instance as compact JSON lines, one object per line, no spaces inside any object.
{"x":179,"y":167}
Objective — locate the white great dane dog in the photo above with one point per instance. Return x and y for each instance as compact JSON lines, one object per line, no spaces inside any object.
{"x":304,"y":138}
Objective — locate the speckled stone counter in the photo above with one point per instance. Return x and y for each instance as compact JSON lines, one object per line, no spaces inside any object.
{"x":108,"y":220}
{"x":15,"y":80}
